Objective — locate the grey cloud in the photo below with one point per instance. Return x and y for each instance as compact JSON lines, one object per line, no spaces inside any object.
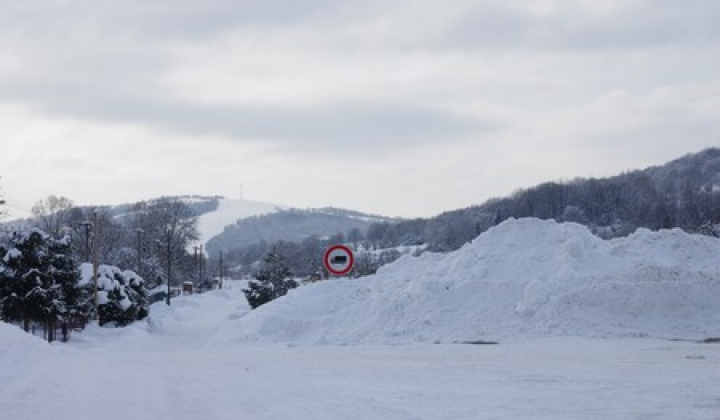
{"x":637,"y":24}
{"x":193,"y":19}
{"x":114,"y":76}
{"x":103,"y":65}
{"x":362,"y":128}
{"x":157,"y":19}
{"x":484,"y":24}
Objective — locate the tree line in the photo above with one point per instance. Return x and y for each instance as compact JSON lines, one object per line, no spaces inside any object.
{"x":47,"y":269}
{"x":150,"y":237}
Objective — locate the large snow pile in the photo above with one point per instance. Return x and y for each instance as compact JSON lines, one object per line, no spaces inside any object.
{"x":523,"y":277}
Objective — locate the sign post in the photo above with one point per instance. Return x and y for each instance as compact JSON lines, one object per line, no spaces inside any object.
{"x":338,"y":260}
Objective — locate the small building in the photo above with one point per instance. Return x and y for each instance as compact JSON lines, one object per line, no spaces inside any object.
{"x":187,"y":288}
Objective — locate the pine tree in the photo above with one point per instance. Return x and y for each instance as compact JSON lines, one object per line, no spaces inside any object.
{"x":25,"y":279}
{"x":116,"y":308}
{"x":122,"y":297}
{"x":39,"y":282}
{"x":72,"y":301}
{"x":272,"y":281}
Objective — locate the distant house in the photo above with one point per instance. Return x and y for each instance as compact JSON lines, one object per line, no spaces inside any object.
{"x":187,"y":288}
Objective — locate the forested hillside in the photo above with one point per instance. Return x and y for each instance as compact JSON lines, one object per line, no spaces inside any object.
{"x":291,"y":225}
{"x":684,"y":193}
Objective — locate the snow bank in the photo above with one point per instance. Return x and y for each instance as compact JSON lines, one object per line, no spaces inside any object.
{"x":523,"y":277}
{"x":185,"y":323}
{"x":18,"y":350}
{"x":190,"y":310}
{"x":14,"y":340}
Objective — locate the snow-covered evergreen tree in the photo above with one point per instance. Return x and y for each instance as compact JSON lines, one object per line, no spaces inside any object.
{"x":272,"y":281}
{"x":122,"y":296}
{"x":39,"y":282}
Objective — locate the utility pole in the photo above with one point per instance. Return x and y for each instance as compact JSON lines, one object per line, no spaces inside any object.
{"x":169,"y":267}
{"x":96,"y":261}
{"x":87,"y":225}
{"x":139,"y":250}
{"x":202,"y":263}
{"x":196,"y":261}
{"x":221,"y":269}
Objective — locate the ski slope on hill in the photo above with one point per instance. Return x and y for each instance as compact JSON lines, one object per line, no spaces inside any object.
{"x":228,"y":212}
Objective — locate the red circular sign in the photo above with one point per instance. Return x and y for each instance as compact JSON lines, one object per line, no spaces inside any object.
{"x":338,"y":260}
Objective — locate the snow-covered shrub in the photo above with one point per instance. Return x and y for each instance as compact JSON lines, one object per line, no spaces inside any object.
{"x":122,"y":296}
{"x":272,"y":281}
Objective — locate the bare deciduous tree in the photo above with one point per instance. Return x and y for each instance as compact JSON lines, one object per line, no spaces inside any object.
{"x":53,"y":214}
{"x":171,"y":226}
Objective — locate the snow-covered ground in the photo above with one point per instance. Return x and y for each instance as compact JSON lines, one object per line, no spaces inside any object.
{"x":167,"y":370}
{"x":582,"y":325}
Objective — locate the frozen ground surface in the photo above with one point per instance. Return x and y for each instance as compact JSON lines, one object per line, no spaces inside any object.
{"x":582,"y":325}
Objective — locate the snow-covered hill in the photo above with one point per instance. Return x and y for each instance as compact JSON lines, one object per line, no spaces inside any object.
{"x":229,"y":212}
{"x":523,"y":277}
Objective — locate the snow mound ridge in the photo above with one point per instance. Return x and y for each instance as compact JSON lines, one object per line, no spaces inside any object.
{"x":523,"y":277}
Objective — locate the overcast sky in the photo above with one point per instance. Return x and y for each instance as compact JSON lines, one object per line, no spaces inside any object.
{"x":395,"y":107}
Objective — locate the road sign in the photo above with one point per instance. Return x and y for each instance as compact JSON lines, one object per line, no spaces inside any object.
{"x":338,"y":260}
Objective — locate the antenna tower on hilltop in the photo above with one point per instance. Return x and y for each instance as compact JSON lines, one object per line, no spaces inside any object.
{"x":3,"y":212}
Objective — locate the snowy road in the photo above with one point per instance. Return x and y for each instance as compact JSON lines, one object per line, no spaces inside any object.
{"x":169,"y":373}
